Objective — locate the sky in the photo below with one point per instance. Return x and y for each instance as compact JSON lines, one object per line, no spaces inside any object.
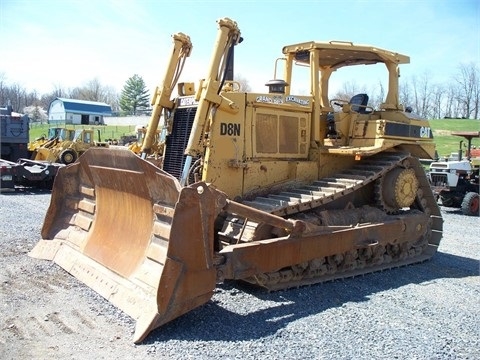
{"x":50,"y":44}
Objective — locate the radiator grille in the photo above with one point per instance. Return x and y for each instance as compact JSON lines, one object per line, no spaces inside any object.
{"x":439,"y":179}
{"x":177,"y":141}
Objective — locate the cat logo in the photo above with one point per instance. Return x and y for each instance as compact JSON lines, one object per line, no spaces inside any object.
{"x":425,"y":132}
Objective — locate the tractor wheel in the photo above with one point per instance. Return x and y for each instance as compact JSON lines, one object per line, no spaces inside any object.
{"x":447,"y":201}
{"x":68,"y":156}
{"x":470,"y":204}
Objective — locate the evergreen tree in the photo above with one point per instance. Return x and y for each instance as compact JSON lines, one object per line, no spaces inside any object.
{"x":135,"y":96}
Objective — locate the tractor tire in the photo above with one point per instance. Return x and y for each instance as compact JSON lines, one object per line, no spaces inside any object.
{"x":447,"y":201}
{"x":470,"y":204}
{"x":68,"y":156}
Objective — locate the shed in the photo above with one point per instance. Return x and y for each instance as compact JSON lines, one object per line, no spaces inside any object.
{"x":78,"y":112}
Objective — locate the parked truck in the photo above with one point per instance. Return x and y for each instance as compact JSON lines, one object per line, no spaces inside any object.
{"x":275,"y":188}
{"x":7,"y":175}
{"x":16,"y":167}
{"x":14,"y":134}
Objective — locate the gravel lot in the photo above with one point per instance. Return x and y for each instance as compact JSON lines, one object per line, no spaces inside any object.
{"x":425,"y":311}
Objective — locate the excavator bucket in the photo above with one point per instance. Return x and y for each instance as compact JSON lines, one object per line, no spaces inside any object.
{"x":129,"y":231}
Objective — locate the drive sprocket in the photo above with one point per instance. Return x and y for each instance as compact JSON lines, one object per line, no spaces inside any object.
{"x":397,"y":189}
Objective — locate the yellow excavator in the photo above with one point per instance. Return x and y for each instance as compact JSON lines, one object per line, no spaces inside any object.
{"x":275,"y":189}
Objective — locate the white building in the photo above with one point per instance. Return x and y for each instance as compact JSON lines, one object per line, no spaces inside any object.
{"x":77,"y":112}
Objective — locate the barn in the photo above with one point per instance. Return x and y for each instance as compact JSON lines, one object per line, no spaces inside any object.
{"x":77,"y":112}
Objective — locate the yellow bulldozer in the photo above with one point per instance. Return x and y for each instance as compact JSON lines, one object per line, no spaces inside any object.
{"x":68,"y":146}
{"x":275,"y":189}
{"x":156,"y":148}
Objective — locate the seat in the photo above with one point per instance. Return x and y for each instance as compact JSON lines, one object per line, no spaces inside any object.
{"x":358,"y":103}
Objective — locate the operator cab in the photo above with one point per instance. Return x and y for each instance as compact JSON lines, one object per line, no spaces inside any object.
{"x":352,"y":126}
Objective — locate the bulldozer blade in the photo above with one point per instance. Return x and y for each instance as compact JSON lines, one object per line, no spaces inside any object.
{"x":129,"y":231}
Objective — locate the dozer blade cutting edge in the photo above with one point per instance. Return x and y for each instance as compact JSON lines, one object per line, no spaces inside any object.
{"x":130,"y":232}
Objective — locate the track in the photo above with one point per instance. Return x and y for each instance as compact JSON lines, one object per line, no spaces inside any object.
{"x":323,"y":203}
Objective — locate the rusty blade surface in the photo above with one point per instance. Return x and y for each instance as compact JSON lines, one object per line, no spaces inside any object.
{"x":130,"y":232}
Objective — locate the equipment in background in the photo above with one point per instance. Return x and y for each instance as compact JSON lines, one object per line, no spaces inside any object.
{"x":14,"y":134}
{"x":456,"y":179}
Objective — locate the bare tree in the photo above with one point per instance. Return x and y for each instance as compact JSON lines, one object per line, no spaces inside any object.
{"x":244,"y":85}
{"x":93,"y":90}
{"x":422,"y":95}
{"x":3,"y":99}
{"x":348,"y":90}
{"x":450,"y":110}
{"x":59,"y":91}
{"x":476,"y":97}
{"x":405,"y":94}
{"x":468,"y":89}
{"x":112,"y":98}
{"x":16,"y":95}
{"x":438,"y":99}
{"x":377,"y":95}
{"x":31,"y":98}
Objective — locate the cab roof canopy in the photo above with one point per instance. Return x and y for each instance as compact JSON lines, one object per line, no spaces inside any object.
{"x":323,"y":58}
{"x":336,"y":54}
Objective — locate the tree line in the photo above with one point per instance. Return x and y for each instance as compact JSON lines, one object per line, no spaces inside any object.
{"x":133,"y":99}
{"x":459,"y":98}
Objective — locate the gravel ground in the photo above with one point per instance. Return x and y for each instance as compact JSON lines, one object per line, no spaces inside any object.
{"x":425,"y":311}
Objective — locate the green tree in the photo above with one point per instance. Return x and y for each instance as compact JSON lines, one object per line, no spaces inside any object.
{"x":135,"y":96}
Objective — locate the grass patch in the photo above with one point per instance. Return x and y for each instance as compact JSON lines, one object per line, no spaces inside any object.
{"x":106,"y":131}
{"x":447,"y":143}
